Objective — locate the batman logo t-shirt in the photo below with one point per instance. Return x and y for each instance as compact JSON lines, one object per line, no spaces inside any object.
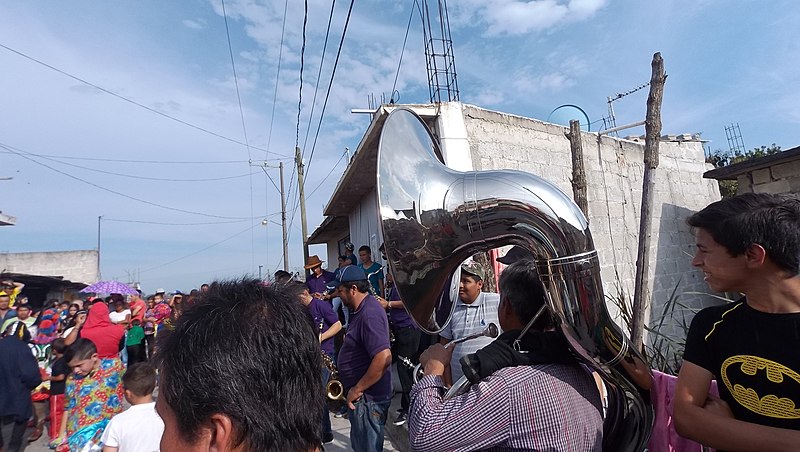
{"x":755,"y":357}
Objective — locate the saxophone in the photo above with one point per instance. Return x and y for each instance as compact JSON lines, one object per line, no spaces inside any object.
{"x":334,"y":391}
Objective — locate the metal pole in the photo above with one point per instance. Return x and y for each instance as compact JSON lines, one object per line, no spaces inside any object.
{"x":99,"y":217}
{"x":301,"y":191}
{"x":259,"y":271}
{"x":283,"y":223}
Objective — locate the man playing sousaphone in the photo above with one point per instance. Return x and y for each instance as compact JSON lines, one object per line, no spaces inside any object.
{"x":528,"y":392}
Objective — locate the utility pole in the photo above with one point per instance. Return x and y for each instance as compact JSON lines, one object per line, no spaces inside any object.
{"x":283,"y":224}
{"x":652,"y":127}
{"x":301,"y":190}
{"x":99,"y":218}
{"x":578,"y":170}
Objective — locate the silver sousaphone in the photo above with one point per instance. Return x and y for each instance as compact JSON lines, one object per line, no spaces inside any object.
{"x":433,"y":218}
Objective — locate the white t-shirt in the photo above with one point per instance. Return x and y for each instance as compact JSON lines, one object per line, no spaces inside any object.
{"x":119,"y":316}
{"x":137,"y":429}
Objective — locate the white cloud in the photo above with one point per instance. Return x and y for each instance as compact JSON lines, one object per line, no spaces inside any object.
{"x":517,"y":17}
{"x":195,"y":24}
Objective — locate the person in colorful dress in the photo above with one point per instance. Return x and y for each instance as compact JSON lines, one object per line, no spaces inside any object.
{"x":93,"y":395}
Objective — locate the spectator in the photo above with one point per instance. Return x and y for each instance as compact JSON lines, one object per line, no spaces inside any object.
{"x":240,"y":389}
{"x":19,"y":375}
{"x":137,"y":429}
{"x":58,"y":377}
{"x":135,"y":343}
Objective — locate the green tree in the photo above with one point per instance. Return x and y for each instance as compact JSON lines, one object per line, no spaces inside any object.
{"x":720,"y":158}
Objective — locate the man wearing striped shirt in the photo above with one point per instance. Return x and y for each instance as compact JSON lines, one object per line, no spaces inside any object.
{"x":474,"y":310}
{"x":528,"y":391}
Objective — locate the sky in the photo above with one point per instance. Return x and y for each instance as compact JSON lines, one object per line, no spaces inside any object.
{"x":170,"y":123}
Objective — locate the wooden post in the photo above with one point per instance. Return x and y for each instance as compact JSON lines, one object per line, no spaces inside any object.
{"x":652,"y":127}
{"x":578,"y":171}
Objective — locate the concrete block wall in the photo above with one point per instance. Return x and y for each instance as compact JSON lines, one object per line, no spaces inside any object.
{"x":781,"y":178}
{"x":614,"y":170}
{"x":76,"y":266}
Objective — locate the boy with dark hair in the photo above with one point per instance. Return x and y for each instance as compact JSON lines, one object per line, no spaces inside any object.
{"x":373,"y":270}
{"x":748,"y":244}
{"x":253,"y":385}
{"x":137,"y":429}
{"x":58,"y":377}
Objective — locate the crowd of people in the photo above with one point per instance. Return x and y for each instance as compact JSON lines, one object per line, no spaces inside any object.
{"x":243,"y":365}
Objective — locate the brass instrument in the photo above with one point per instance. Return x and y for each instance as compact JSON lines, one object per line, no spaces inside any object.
{"x":334,"y":390}
{"x":433,"y":218}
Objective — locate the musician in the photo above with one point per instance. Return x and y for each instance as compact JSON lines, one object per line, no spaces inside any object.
{"x":240,"y":372}
{"x":364,"y":361}
{"x":748,"y":244}
{"x":328,"y":325}
{"x":318,"y":280}
{"x":373,"y":270}
{"x":535,"y":396}
{"x":474,"y":310}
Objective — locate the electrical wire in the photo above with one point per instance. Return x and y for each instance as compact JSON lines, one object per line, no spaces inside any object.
{"x":319,"y":73}
{"x":277,"y":76}
{"x":160,"y":223}
{"x":131,"y":101}
{"x":158,"y":162}
{"x":249,"y":228}
{"x":402,"y":51}
{"x":326,"y":177}
{"x":302,"y":56}
{"x":21,"y":153}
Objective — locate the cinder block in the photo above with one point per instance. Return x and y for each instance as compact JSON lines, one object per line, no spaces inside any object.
{"x":785,"y":170}
{"x":761,"y":176}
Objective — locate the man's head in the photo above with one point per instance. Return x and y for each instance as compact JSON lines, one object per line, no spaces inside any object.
{"x":342,"y":260}
{"x":23,"y":312}
{"x":239,"y":389}
{"x":302,"y":293}
{"x":521,"y":296}
{"x":737,"y":236}
{"x":352,"y":286}
{"x":139,"y":382}
{"x":282,"y":276}
{"x":63,"y":306}
{"x":365,"y":254}
{"x":81,"y":357}
{"x":5,"y":299}
{"x":314,"y":264}
{"x":471,"y":282}
{"x":204,"y":287}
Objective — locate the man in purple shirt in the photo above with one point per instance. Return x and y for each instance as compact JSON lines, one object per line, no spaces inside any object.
{"x":406,"y":342}
{"x":364,"y":361}
{"x":327,"y":324}
{"x":319,"y":278}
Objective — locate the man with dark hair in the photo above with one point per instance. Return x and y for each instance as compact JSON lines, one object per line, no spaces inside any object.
{"x":282,"y":276}
{"x":19,"y":375}
{"x":319,"y":278}
{"x":252,"y":383}
{"x":748,"y":244}
{"x":528,"y":392}
{"x":364,"y":361}
{"x":373,"y":270}
{"x":474,"y":310}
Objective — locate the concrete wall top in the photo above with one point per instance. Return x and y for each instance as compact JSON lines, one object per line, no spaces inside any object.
{"x":76,"y":266}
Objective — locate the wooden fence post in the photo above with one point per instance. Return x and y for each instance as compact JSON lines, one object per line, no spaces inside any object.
{"x":578,"y":171}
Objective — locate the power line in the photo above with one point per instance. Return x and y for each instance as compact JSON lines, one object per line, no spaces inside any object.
{"x":319,"y":73}
{"x":302,"y":56}
{"x":160,"y":223}
{"x":326,"y":177}
{"x":399,"y":63}
{"x":133,"y":176}
{"x":158,"y":162}
{"x":21,"y":153}
{"x":277,"y":76}
{"x":200,"y":250}
{"x":131,"y":101}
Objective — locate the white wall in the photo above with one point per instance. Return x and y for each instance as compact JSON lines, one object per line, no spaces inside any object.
{"x":365,"y":227}
{"x":75,"y":266}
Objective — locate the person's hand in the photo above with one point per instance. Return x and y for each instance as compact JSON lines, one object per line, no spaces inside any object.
{"x":435,"y":359}
{"x":383,"y":302}
{"x":317,"y":295}
{"x":718,"y":406}
{"x":352,"y":396}
{"x":80,"y":319}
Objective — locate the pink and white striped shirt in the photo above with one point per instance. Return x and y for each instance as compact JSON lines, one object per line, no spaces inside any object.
{"x":545,"y":407}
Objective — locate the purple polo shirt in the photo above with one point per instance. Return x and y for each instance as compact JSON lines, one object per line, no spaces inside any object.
{"x":322,"y":313}
{"x":399,"y":316}
{"x":367,"y":335}
{"x":317,"y":284}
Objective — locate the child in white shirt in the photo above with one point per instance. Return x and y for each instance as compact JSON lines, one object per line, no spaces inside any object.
{"x":139,"y":428}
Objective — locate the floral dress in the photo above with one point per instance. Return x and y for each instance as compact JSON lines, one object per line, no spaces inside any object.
{"x":91,"y":402}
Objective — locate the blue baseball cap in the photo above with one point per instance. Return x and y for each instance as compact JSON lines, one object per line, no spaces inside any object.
{"x":347,"y":274}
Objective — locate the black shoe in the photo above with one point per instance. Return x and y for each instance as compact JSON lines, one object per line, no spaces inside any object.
{"x":341,"y":414}
{"x":327,"y":438}
{"x":401,"y":418}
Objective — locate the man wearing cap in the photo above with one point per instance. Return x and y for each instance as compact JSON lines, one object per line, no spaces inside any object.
{"x":364,"y":361}
{"x":349,"y":253}
{"x":318,"y":280}
{"x":12,"y":288}
{"x":474,"y":310}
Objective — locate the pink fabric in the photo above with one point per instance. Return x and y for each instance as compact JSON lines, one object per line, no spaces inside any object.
{"x":664,"y":437}
{"x":99,"y":329}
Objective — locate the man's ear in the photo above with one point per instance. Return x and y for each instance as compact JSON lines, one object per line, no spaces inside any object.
{"x":755,"y":255}
{"x":221,"y":433}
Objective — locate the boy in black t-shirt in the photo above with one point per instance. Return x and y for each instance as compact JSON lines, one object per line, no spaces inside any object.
{"x":748,"y":244}
{"x":58,"y":376}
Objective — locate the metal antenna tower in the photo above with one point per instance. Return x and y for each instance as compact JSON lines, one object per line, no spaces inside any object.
{"x":439,"y":58}
{"x":611,"y":121}
{"x":735,"y":141}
